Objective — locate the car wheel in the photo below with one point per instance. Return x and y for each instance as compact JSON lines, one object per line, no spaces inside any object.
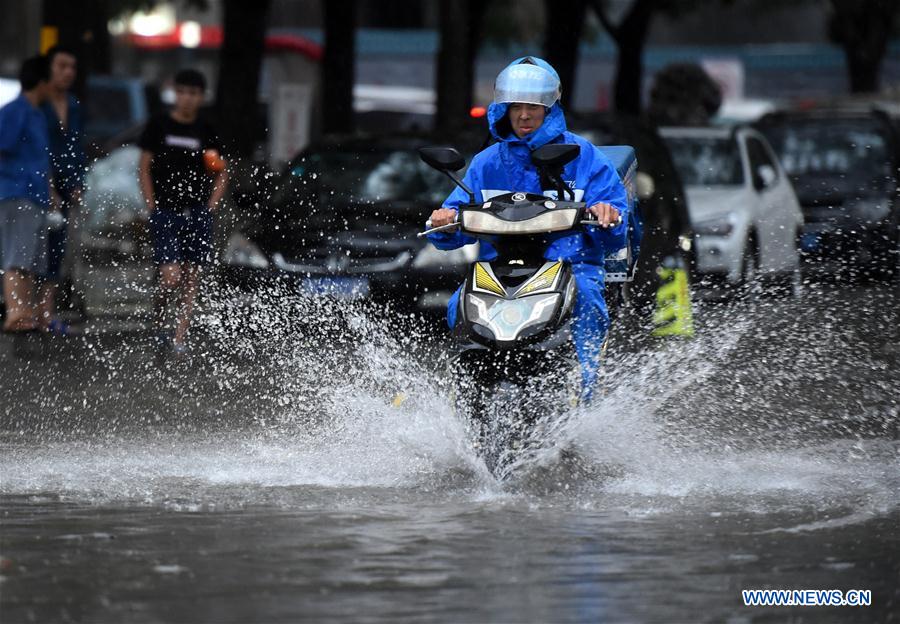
{"x":886,"y":265}
{"x":789,"y":283}
{"x":749,"y":266}
{"x":797,"y":273}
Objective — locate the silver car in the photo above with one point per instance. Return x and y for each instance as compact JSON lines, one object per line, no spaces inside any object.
{"x":742,"y":206}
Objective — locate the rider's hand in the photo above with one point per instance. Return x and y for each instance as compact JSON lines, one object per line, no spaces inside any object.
{"x":442,"y":216}
{"x":605,"y":214}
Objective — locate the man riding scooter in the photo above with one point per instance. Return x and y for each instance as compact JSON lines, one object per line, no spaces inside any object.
{"x":526,"y":114}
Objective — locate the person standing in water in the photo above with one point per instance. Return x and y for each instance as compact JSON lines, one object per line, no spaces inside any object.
{"x":182,"y":180}
{"x":25,"y":195}
{"x":68,"y":161}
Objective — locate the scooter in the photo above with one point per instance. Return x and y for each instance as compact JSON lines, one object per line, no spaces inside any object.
{"x":513,"y":367}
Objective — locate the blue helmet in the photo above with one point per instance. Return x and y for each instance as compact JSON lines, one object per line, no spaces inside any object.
{"x":528,"y":80}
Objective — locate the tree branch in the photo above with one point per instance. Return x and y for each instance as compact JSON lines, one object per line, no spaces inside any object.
{"x":612,"y":29}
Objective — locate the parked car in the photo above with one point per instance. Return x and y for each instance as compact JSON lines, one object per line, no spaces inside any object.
{"x":845,"y":167}
{"x":742,"y":206}
{"x":113,"y":208}
{"x":115,"y":105}
{"x":9,"y":90}
{"x":343,"y":222}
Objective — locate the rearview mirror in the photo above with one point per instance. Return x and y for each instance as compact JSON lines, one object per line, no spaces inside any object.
{"x":555,"y":155}
{"x":442,"y":158}
{"x":765,"y":176}
{"x":644,"y":186}
{"x":448,"y":161}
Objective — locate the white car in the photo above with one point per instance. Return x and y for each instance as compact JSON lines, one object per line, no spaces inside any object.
{"x":9,"y":90}
{"x":742,"y":206}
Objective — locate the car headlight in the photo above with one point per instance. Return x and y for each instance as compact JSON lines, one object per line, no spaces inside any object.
{"x":431,"y":257}
{"x":872,"y":211}
{"x":241,"y":251}
{"x":720,"y":226}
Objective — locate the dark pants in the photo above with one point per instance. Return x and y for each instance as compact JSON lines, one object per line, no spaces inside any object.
{"x":182,"y":237}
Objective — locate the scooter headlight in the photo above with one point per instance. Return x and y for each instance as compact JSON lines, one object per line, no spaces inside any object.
{"x":507,"y":318}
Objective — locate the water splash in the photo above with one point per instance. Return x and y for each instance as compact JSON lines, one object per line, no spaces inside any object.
{"x":342,"y":401}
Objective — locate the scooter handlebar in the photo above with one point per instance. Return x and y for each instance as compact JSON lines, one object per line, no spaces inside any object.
{"x":595,"y":222}
{"x":440,"y":228}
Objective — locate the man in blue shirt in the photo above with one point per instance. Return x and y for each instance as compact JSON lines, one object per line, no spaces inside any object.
{"x":24,"y":194}
{"x":525,"y":115}
{"x":68,"y":160}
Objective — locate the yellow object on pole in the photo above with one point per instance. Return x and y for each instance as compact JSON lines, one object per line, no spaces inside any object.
{"x":673,"y":316}
{"x":49,"y":38}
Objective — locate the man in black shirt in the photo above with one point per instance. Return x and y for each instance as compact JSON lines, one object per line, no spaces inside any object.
{"x":183,"y":180}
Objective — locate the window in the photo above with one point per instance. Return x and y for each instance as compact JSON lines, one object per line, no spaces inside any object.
{"x":707,"y":161}
{"x":832,"y":146}
{"x":372,"y":177}
{"x":758,"y":155}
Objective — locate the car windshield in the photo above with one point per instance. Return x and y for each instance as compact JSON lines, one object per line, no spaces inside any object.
{"x":831,"y":146}
{"x":367,"y":177}
{"x":706,"y":161}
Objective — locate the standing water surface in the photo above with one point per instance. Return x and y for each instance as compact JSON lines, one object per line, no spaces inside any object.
{"x":271,"y":479}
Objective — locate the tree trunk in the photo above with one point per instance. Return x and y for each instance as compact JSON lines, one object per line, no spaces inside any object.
{"x":83,"y":25}
{"x":454,"y":71}
{"x":630,"y":36}
{"x":240,"y":62}
{"x":338,"y":65}
{"x":562,"y":37}
{"x":475,"y":16}
{"x":629,"y":78}
{"x":863,"y":28}
{"x":630,"y":72}
{"x":100,"y":45}
{"x":864,"y":72}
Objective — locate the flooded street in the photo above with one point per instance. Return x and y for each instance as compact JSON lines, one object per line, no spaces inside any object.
{"x":279,"y":477}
